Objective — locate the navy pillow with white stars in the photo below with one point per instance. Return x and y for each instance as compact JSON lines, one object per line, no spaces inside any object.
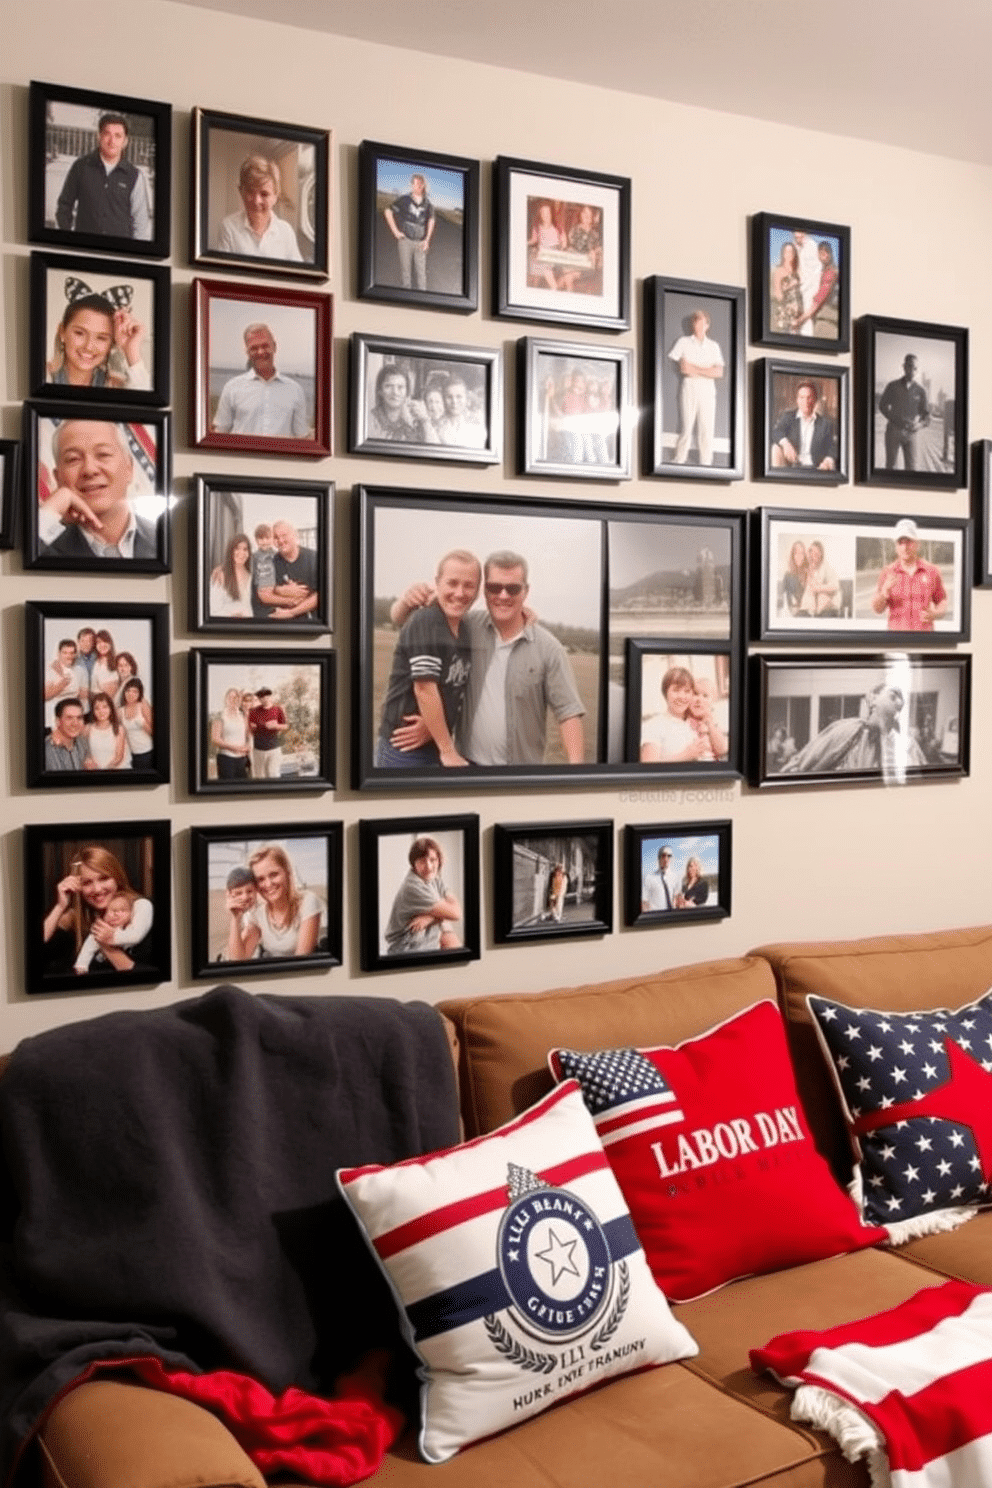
{"x":918,"y":1092}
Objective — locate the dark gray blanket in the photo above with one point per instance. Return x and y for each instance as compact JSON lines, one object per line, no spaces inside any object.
{"x":167,"y":1187}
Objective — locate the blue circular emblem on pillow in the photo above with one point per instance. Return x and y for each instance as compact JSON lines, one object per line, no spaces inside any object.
{"x":555,"y":1262}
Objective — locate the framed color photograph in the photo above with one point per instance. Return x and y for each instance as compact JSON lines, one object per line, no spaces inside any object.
{"x":10,"y":492}
{"x":878,"y":719}
{"x":694,"y":379}
{"x":441,"y":578}
{"x":561,"y":241}
{"x":99,"y":329}
{"x":421,"y":400}
{"x":97,"y":905}
{"x":99,"y":171}
{"x":280,"y":405}
{"x":96,"y":485}
{"x":262,"y":722}
{"x":552,"y":879}
{"x":677,"y":874}
{"x":266,"y":902}
{"x":262,"y":556}
{"x":98,"y":678}
{"x":800,"y":432}
{"x":800,"y":283}
{"x":682,"y":708}
{"x":418,"y":227}
{"x":911,"y":388}
{"x":981,"y":487}
{"x":832,"y":576}
{"x":419,"y":891}
{"x":260,"y":195}
{"x":575,"y":411}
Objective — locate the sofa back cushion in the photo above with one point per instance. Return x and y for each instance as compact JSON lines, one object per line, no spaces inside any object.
{"x":897,"y":972}
{"x":504,"y":1041}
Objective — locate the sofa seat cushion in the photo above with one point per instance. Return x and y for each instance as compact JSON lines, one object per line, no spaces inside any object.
{"x":504,"y":1041}
{"x":964,"y":1254}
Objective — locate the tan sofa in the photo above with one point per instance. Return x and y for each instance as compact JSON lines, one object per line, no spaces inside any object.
{"x":706,"y":1423}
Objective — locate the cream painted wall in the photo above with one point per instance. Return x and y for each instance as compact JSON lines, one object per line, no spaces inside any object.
{"x":809,"y":863}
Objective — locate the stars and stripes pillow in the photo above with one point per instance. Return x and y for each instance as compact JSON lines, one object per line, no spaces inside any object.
{"x":917,"y":1093}
{"x":712,"y":1151}
{"x":517,"y":1271}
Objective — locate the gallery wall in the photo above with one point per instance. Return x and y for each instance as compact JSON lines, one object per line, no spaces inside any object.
{"x":808,"y":863}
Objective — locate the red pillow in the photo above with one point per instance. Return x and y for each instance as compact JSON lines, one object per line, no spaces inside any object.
{"x":714,"y":1157}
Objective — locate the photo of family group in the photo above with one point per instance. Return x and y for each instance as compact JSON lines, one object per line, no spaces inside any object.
{"x":98,"y":914}
{"x":575,"y":409}
{"x":96,"y":673}
{"x":419,"y":891}
{"x":262,"y":556}
{"x":261,"y":724}
{"x":679,"y":705}
{"x":267,"y":901}
{"x":840,"y":574}
{"x":552,"y":880}
{"x":424,"y":399}
{"x":676,"y":872}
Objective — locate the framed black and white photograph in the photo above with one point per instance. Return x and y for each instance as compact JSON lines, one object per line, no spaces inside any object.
{"x":575,"y":410}
{"x":419,"y":892}
{"x":800,"y":429}
{"x":97,"y":905}
{"x":10,"y":492}
{"x":981,"y":487}
{"x":99,"y":329}
{"x":423,"y":400}
{"x":418,"y":227}
{"x":262,"y":556}
{"x":441,"y":579}
{"x":551,"y":880}
{"x":911,"y":387}
{"x":677,"y":873}
{"x":260,"y":195}
{"x":98,"y":680}
{"x":694,"y":379}
{"x":850,"y":576}
{"x":99,"y":170}
{"x":265,"y":902}
{"x":682,"y":707}
{"x":97,"y":487}
{"x":561,"y":241}
{"x":262,"y":722}
{"x":800,"y":283}
{"x":262,"y":369}
{"x":886,"y":718}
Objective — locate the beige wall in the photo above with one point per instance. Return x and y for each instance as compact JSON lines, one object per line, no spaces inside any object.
{"x":815,"y":862}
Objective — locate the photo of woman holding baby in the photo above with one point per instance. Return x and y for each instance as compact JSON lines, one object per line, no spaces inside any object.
{"x":679,"y":707}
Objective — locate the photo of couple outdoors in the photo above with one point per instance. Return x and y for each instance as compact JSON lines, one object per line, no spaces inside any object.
{"x":97,"y":696}
{"x":804,"y":283}
{"x":263,"y":556}
{"x":679,"y":872}
{"x":267,"y":898}
{"x":263,"y":721}
{"x":554,"y":880}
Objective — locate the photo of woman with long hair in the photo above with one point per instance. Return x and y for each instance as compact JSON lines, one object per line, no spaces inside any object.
{"x":83,"y":896}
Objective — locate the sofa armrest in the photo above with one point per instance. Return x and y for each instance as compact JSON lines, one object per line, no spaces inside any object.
{"x":106,"y":1433}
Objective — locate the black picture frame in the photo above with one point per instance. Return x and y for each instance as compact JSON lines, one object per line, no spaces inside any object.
{"x":223,"y":144}
{"x":579,"y":432}
{"x":292,"y":676}
{"x":430,"y":424}
{"x":314,"y":854}
{"x":921,"y":733}
{"x":225,"y":313}
{"x":385,"y":175}
{"x":63,"y":127}
{"x":136,"y":854}
{"x":856,"y":550}
{"x":552,"y":880}
{"x":656,"y":902}
{"x":981,"y":513}
{"x":785,"y":393}
{"x":138,"y":635}
{"x":10,"y":492}
{"x":227,"y":508}
{"x":576,"y":286}
{"x":704,"y":669}
{"x":671,"y":308}
{"x":638,"y":570}
{"x":384,"y":848}
{"x":779,"y":301}
{"x":141,"y":436}
{"x":66,"y":292}
{"x":882,"y":445}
